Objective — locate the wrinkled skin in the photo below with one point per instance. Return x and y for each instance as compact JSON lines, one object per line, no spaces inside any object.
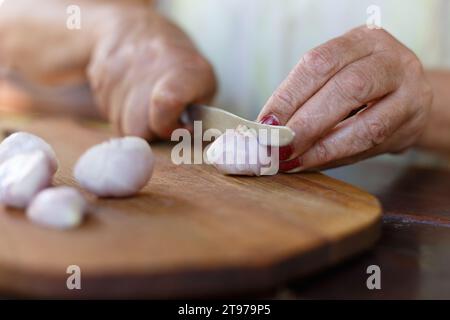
{"x":362,"y":67}
{"x":142,"y":69}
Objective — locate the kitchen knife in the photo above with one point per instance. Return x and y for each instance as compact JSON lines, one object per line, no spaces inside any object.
{"x":215,"y":118}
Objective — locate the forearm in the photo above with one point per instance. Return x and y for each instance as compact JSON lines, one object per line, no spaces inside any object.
{"x":437,"y":133}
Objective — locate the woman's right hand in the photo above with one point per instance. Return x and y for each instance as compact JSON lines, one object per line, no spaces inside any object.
{"x":142,"y":69}
{"x":145,"y":72}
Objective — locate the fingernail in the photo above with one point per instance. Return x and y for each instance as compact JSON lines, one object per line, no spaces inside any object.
{"x":270,"y":119}
{"x":290,"y":165}
{"x":286,"y":152}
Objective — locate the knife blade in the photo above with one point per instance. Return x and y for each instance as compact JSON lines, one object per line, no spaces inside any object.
{"x":215,"y":118}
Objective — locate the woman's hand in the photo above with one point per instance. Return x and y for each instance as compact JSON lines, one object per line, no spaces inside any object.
{"x":322,"y":97}
{"x":142,"y":70}
{"x":145,"y":71}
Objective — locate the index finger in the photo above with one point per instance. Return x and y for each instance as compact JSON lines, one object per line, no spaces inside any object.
{"x":314,"y":70}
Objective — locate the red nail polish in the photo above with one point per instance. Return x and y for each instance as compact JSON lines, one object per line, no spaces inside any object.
{"x":270,"y":119}
{"x":285,"y":152}
{"x":290,"y":165}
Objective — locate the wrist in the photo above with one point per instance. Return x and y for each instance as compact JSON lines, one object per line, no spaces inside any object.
{"x":437,"y":130}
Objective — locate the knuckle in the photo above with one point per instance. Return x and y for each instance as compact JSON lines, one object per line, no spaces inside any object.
{"x":374,"y":132}
{"x":320,"y":61}
{"x":343,"y":43}
{"x":323,"y":153}
{"x":360,"y":31}
{"x":285,"y":97}
{"x":284,"y":101}
{"x":383,"y":38}
{"x":411,"y":62}
{"x":381,"y":33}
{"x":354,"y":85}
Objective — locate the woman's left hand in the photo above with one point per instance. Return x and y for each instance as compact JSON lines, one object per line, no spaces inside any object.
{"x":321,"y":100}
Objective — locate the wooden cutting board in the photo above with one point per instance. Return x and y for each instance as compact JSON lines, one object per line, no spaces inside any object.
{"x":191,"y":232}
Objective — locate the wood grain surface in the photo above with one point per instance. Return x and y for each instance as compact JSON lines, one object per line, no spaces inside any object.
{"x":191,"y":232}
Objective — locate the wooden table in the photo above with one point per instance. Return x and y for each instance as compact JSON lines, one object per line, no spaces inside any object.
{"x":414,"y":250}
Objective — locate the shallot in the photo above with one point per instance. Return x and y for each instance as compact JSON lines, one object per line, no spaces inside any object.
{"x":22,"y":176}
{"x":117,"y":168}
{"x":24,"y":142}
{"x":238,"y":152}
{"x":59,"y":208}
